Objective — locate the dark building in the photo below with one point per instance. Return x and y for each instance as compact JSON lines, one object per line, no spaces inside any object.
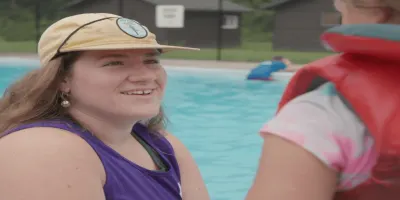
{"x":298,"y":24}
{"x":200,"y":25}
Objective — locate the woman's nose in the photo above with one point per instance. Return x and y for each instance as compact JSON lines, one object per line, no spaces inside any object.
{"x":141,"y":73}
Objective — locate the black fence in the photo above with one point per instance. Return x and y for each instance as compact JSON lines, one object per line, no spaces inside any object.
{"x":219,"y":35}
{"x":246,"y":34}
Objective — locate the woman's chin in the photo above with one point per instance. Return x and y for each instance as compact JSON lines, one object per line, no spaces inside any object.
{"x":143,"y":114}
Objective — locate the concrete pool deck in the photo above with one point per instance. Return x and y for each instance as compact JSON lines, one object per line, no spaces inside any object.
{"x":209,"y":64}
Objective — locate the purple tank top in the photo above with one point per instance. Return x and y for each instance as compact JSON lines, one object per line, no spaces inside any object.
{"x":126,"y":180}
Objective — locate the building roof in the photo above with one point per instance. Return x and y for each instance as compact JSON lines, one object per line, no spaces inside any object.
{"x":275,"y":3}
{"x":196,"y":5}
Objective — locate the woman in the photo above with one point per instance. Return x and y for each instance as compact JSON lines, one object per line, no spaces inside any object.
{"x":88,"y":124}
{"x":336,"y":134}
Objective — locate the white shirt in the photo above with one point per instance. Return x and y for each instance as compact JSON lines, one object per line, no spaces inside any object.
{"x":321,"y":123}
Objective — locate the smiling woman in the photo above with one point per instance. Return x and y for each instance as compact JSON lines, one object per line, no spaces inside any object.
{"x":88,"y":124}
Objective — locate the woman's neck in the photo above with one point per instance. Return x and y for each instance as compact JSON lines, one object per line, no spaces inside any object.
{"x":110,"y":131}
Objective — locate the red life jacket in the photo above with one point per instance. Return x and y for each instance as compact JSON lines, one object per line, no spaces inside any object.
{"x":366,"y":73}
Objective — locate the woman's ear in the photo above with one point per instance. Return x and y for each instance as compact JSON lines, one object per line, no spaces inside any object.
{"x":65,"y":85}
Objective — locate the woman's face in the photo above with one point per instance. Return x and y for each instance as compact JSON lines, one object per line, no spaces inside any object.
{"x":120,"y":84}
{"x":366,"y":13}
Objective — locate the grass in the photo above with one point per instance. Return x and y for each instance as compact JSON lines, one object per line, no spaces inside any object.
{"x":249,"y":51}
{"x":17,"y":47}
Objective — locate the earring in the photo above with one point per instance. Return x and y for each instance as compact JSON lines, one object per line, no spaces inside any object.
{"x":65,"y":103}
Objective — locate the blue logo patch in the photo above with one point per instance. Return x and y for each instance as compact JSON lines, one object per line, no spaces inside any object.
{"x":132,"y":28}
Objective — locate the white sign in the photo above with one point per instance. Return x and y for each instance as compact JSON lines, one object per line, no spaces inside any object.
{"x":230,"y":22}
{"x":170,"y":16}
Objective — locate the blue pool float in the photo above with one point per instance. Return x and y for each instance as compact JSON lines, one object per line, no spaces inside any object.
{"x":264,"y":70}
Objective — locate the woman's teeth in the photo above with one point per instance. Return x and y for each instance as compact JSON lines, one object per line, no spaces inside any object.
{"x":138,"y":92}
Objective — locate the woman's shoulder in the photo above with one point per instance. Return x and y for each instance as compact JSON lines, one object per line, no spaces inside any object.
{"x":52,"y":146}
{"x":58,"y":162}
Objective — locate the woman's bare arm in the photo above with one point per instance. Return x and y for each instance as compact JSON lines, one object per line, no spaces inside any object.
{"x":49,"y":164}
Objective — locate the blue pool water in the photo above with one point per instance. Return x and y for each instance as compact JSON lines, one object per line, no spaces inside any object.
{"x":217,"y":114}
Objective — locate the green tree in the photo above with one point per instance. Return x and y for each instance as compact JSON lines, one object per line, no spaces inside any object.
{"x":18,"y":17}
{"x":257,"y":25}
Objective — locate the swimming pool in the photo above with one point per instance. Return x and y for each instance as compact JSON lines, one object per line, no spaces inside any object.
{"x":217,"y":114}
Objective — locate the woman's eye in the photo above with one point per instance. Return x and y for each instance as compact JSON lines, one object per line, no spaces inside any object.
{"x":151,"y":62}
{"x":113,"y":63}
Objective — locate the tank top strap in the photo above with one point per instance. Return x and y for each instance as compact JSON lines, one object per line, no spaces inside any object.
{"x":160,"y":144}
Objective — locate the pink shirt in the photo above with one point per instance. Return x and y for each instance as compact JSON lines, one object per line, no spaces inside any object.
{"x":319,"y":122}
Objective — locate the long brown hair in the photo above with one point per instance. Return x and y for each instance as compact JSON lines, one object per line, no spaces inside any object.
{"x":36,"y":97}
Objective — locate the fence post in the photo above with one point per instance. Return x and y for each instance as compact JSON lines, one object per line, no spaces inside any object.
{"x":121,"y":8}
{"x":37,"y":23}
{"x":219,"y":30}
